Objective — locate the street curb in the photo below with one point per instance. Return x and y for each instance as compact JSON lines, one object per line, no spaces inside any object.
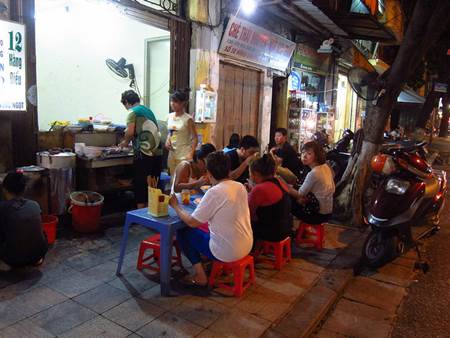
{"x":314,"y":306}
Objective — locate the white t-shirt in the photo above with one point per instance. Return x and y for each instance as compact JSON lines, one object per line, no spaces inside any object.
{"x":320,"y":182}
{"x":225,"y":208}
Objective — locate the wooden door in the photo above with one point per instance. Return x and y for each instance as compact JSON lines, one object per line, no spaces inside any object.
{"x":238,"y":103}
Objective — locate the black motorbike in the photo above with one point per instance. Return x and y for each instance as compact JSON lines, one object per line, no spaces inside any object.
{"x":409,"y":197}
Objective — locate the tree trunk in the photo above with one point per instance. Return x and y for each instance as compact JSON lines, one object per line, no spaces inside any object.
{"x":426,"y":26}
{"x":425,"y":113}
{"x":443,"y":128}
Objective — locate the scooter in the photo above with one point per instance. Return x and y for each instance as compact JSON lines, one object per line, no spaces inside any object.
{"x":338,"y":157}
{"x":409,"y":194}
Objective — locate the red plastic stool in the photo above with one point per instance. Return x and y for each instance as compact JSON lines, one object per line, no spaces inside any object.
{"x":237,"y":268}
{"x":310,"y":234}
{"x":153,"y":243}
{"x":281,"y":251}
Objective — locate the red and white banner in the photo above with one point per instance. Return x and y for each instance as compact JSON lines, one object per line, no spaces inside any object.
{"x":246,"y":41}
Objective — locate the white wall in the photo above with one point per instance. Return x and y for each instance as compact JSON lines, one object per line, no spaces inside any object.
{"x":73,"y":40}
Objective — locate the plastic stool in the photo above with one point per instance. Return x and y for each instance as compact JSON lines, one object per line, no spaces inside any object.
{"x":237,"y":268}
{"x":281,"y":250}
{"x":153,"y":243}
{"x":310,"y":234}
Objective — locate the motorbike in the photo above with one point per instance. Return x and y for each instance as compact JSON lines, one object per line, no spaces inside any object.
{"x":338,"y":157}
{"x":410,"y":193}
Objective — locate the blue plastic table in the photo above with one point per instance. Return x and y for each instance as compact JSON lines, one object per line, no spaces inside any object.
{"x":166,"y":226}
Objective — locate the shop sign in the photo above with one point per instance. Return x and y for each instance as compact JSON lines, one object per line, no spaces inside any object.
{"x":12,"y":66}
{"x":246,"y":41}
{"x":307,"y":58}
{"x":440,"y":87}
{"x":296,"y":80}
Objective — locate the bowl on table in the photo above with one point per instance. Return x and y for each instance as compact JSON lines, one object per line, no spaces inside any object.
{"x":205,"y":188}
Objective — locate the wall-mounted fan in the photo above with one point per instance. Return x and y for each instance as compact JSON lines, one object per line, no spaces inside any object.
{"x":367,"y":85}
{"x":124,"y":70}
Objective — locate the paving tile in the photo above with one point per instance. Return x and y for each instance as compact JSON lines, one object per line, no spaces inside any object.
{"x":169,"y":325}
{"x":265,"y":304}
{"x":36,"y":300}
{"x":304,"y":279}
{"x":97,"y":327}
{"x":368,"y":291}
{"x":271,"y":333}
{"x":104,"y":272}
{"x":200,"y":311}
{"x":238,"y":323}
{"x":297,"y":264}
{"x":129,"y":261}
{"x":395,"y":274}
{"x":9,"y":315}
{"x":358,"y":320}
{"x":133,"y":313}
{"x":286,"y":288}
{"x":134,"y":282}
{"x":84,"y":260}
{"x":153,"y":295}
{"x":305,"y":315}
{"x":102,"y":298}
{"x":225,"y":298}
{"x":25,"y":328}
{"x":209,"y":334}
{"x":74,"y":284}
{"x":329,"y":334}
{"x":405,"y":261}
{"x":16,"y":289}
{"x":335,"y":279}
{"x":54,"y":271}
{"x":63,"y":317}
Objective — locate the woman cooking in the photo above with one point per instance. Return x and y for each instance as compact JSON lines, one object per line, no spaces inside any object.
{"x":182,"y":137}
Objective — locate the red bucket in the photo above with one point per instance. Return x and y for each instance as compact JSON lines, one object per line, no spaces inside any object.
{"x":49,"y":223}
{"x":86,"y":209}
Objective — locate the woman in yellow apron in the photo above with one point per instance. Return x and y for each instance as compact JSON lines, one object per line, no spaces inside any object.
{"x":182,"y":137}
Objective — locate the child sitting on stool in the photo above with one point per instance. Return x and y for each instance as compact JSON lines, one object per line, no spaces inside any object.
{"x":22,"y":241}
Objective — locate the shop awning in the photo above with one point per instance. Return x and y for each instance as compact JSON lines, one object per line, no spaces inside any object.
{"x":410,"y":96}
{"x":362,"y":26}
{"x":304,"y":16}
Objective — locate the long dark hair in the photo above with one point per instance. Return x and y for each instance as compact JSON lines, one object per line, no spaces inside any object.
{"x":265,"y":165}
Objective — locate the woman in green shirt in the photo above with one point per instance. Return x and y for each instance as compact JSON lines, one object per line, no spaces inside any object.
{"x":143,"y":131}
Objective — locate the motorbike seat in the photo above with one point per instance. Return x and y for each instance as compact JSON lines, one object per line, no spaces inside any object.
{"x":431,"y":186}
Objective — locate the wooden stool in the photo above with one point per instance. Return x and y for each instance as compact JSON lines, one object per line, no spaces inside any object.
{"x":310,"y":234}
{"x":153,"y":243}
{"x":237,"y":268}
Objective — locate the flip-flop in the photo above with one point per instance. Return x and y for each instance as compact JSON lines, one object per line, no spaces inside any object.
{"x":189,"y":281}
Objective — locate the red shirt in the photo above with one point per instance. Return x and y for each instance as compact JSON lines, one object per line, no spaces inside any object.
{"x":264,"y":194}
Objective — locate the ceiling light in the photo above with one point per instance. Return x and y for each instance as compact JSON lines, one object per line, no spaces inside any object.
{"x":248,"y":6}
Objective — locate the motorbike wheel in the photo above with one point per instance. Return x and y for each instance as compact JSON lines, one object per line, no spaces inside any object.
{"x":378,"y":250}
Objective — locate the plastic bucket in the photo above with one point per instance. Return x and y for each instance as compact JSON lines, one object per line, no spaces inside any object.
{"x":49,"y":223}
{"x":86,"y":209}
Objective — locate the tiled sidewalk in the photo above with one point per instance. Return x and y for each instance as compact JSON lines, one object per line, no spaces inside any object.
{"x":77,"y":294}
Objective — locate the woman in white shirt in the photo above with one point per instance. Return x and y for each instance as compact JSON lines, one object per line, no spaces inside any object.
{"x":224,"y":208}
{"x":318,"y":187}
{"x":182,"y":136}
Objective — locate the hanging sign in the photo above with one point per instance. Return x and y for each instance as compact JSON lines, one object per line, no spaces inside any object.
{"x":12,"y":66}
{"x":440,"y":87}
{"x":246,"y":41}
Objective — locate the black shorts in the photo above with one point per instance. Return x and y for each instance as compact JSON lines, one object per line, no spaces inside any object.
{"x":145,"y":166}
{"x":298,"y":211}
